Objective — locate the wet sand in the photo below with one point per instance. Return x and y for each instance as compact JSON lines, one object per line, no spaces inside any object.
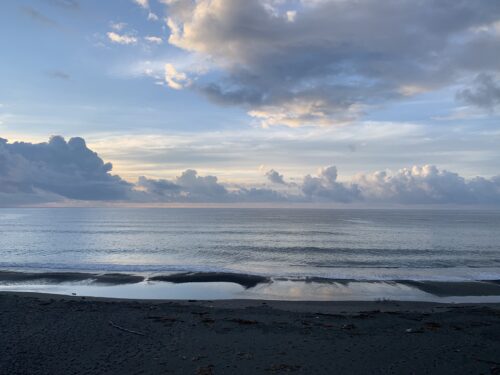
{"x":49,"y":334}
{"x":438,"y":289}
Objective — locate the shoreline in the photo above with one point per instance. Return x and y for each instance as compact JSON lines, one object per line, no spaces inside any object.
{"x":44,"y":333}
{"x":224,"y":285}
{"x":340,"y":307}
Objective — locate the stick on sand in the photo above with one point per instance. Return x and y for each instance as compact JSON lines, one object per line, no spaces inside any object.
{"x":125,"y":329}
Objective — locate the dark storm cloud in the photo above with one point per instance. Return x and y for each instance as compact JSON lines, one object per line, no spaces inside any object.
{"x":334,"y":59}
{"x":58,"y":168}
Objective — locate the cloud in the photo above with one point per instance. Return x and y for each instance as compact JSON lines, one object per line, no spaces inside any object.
{"x":188,"y":187}
{"x":118,"y":26}
{"x":152,"y":17}
{"x":175,"y":79}
{"x":61,"y":170}
{"x":418,"y":185}
{"x":485,"y":92}
{"x":274,"y":177}
{"x":56,"y":170}
{"x":329,"y":62}
{"x":142,"y":3}
{"x":193,"y":188}
{"x":153,"y":39}
{"x":159,"y":187}
{"x":428,"y":185}
{"x":121,"y":39}
{"x":291,"y":15}
{"x":326,"y":188}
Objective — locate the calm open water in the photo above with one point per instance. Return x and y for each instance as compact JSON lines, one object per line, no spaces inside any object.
{"x":337,"y":244}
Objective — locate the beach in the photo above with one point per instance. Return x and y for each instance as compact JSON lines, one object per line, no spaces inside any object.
{"x":54,"y":334}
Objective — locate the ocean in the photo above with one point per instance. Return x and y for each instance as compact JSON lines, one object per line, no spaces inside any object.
{"x":283,"y":244}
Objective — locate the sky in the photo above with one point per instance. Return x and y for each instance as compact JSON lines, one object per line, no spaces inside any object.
{"x":336,"y":102}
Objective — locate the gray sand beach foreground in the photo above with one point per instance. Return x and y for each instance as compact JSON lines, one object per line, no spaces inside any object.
{"x":51,"y":334}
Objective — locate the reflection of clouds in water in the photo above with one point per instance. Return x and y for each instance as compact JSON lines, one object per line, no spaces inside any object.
{"x":349,"y":291}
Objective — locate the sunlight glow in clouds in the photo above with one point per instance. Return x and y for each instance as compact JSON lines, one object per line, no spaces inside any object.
{"x":121,"y":39}
{"x":176,"y":80}
{"x":322,"y":63}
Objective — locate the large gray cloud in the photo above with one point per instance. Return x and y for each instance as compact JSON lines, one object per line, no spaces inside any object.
{"x":322,"y":62}
{"x":56,"y":170}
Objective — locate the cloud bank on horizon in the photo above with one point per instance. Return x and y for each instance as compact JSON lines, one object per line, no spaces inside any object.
{"x":60,"y":170}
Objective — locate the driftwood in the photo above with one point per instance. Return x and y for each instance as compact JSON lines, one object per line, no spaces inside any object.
{"x":125,"y":329}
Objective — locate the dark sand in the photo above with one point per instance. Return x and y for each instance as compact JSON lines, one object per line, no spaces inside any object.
{"x":48,"y":334}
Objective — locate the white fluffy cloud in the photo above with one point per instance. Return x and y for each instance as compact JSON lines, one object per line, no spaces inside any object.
{"x":325,"y":62}
{"x":153,"y":39}
{"x":176,"y":80}
{"x":121,"y":38}
{"x":142,"y":3}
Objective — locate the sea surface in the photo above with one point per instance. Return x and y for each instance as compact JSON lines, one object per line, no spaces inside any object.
{"x":442,"y":245}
